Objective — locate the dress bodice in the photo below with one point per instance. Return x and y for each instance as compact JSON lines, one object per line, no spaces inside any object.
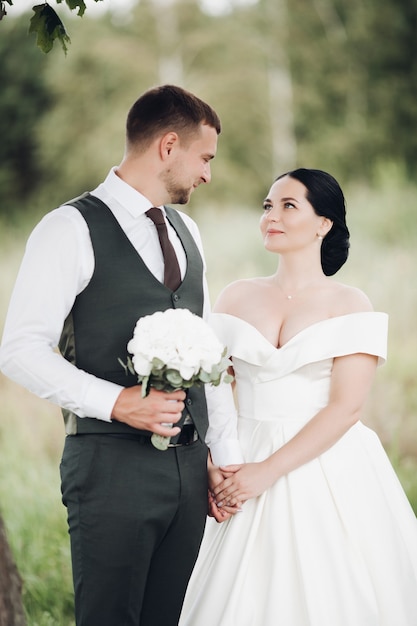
{"x":292,"y":382}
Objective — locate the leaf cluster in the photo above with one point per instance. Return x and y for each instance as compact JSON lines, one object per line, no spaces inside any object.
{"x":164,"y":378}
{"x":47,"y":25}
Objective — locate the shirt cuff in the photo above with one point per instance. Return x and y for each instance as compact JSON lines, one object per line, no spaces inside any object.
{"x":226,"y":452}
{"x":100,"y":399}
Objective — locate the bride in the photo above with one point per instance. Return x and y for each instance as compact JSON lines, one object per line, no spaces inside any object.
{"x":326,"y":535}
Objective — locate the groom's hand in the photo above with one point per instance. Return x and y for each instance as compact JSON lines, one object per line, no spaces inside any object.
{"x":150,"y":413}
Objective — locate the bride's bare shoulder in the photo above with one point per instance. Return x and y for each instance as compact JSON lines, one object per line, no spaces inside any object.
{"x":237,"y":293}
{"x":347,"y":299}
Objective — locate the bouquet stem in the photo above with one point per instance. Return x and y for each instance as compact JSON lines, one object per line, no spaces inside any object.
{"x":159,"y":441}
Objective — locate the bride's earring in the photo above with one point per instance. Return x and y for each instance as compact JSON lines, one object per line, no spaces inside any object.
{"x":319,"y":236}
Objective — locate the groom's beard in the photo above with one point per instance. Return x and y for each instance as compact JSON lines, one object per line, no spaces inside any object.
{"x":178,"y":193}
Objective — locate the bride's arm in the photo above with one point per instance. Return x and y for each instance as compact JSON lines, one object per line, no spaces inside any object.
{"x":351,"y":380}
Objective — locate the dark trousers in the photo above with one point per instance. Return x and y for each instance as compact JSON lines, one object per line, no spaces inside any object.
{"x":136,"y":517}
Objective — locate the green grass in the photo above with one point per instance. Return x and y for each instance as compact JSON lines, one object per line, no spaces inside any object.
{"x":382,"y":263}
{"x":31,"y":436}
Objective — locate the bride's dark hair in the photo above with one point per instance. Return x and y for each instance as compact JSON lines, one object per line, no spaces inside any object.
{"x":327,"y":199}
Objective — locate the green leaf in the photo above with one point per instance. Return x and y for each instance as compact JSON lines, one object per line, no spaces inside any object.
{"x":145,"y":386}
{"x":128,"y":366}
{"x":157,"y":364}
{"x":124,"y":365}
{"x":73,"y":4}
{"x":216,"y":372}
{"x":48,"y":27}
{"x":3,"y":11}
{"x":186,"y":384}
{"x":158,"y":384}
{"x":174,"y":378}
{"x":204,"y":376}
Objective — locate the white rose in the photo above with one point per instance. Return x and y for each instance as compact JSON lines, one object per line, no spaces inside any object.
{"x":141,"y":364}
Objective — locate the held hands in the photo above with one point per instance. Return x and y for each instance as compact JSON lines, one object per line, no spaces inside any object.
{"x":152,"y":412}
{"x":215,"y":478}
{"x":242,"y":482}
{"x":220,"y":514}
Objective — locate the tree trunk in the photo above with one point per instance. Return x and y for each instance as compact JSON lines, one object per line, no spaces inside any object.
{"x":284,"y":144}
{"x":11,"y":608}
{"x":171,"y":70}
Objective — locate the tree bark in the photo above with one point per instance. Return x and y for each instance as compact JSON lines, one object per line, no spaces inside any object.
{"x":171,"y":69}
{"x":281,"y":105}
{"x":11,"y":607}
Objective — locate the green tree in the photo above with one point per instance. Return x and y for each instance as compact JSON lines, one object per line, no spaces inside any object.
{"x":24,"y":100}
{"x":329,"y":84}
{"x":355,"y":84}
{"x":392,"y":81}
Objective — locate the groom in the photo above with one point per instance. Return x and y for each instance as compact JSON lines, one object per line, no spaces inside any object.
{"x":136,"y":514}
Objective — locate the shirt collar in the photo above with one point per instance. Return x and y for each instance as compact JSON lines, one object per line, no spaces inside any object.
{"x":133,"y":201}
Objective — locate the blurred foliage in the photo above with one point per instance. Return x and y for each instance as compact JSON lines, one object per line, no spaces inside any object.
{"x":355,"y":73}
{"x":319,"y":83}
{"x":24,"y":100}
{"x":31,"y":439}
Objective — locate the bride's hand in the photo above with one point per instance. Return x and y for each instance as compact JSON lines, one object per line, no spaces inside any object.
{"x":242,"y":483}
{"x":220,"y":514}
{"x":216,"y":477}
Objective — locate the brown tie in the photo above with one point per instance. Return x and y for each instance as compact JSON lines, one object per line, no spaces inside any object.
{"x":172,"y":274}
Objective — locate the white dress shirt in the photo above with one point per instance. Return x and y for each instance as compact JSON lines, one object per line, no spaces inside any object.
{"x":57,"y":265}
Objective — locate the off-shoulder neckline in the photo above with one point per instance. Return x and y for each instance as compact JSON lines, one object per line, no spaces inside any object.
{"x":303,"y":330}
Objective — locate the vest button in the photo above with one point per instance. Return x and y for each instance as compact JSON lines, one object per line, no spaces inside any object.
{"x":189,"y":401}
{"x":175,"y":297}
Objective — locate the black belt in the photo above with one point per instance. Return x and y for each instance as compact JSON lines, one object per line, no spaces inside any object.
{"x":187,"y":436}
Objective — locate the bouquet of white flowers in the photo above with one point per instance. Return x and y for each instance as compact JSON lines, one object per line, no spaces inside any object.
{"x":175,"y":349}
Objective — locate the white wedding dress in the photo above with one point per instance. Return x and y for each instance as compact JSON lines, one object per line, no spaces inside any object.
{"x":333,"y":543}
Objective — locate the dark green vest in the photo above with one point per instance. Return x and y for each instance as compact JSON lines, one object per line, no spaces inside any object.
{"x":121,"y":290}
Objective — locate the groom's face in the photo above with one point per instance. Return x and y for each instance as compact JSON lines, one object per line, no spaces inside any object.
{"x":189,"y":165}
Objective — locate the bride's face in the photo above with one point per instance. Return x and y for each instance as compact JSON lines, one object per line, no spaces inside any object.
{"x":289,"y":221}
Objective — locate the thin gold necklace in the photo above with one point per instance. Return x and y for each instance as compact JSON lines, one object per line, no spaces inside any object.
{"x":292,"y":296}
{"x":286,"y":295}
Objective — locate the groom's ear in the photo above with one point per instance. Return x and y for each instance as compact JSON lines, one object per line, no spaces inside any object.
{"x":167,"y":144}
